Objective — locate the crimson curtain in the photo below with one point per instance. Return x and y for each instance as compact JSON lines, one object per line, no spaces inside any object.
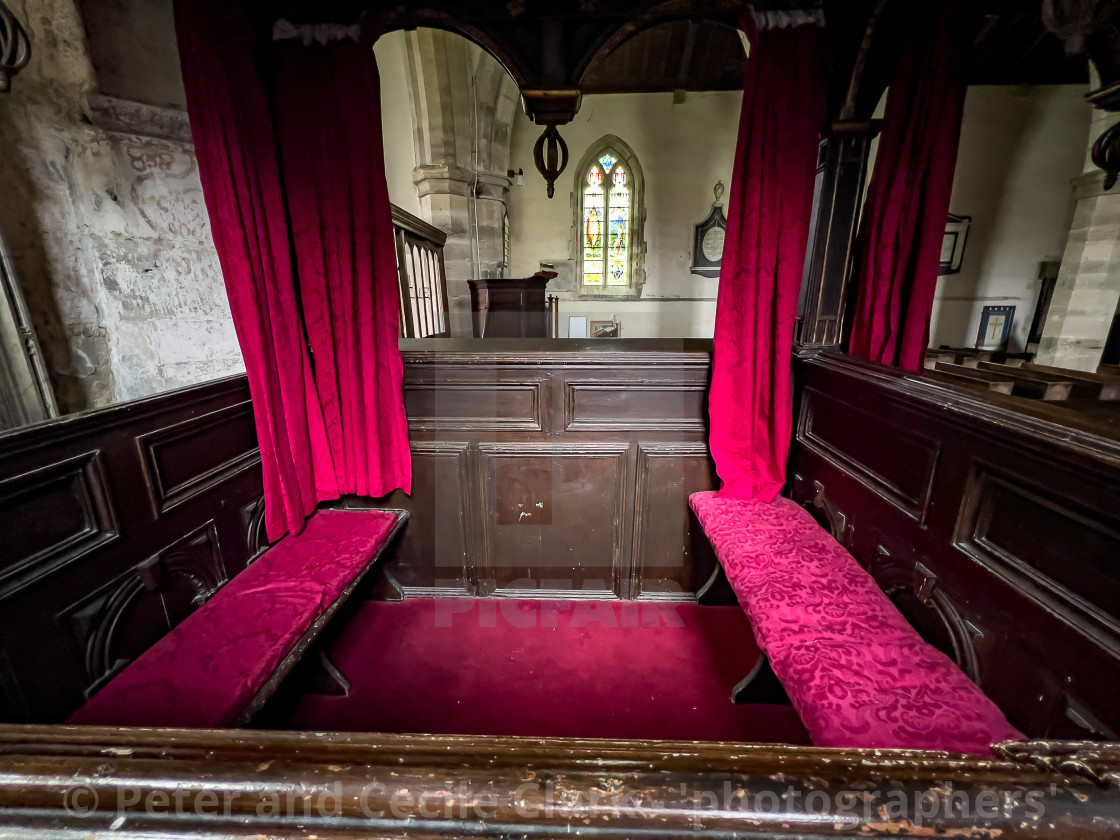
{"x":328,"y":100}
{"x":908,"y":199}
{"x":751,"y":396}
{"x":315,"y":441}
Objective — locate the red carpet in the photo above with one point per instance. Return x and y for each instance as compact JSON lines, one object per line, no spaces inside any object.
{"x":592,"y":669}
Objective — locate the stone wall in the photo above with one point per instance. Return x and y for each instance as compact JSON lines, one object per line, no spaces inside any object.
{"x":103,"y":213}
{"x":463,"y":105}
{"x":1087,"y":293}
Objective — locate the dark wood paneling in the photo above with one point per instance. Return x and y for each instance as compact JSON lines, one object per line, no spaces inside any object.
{"x":554,"y":518}
{"x":189,"y":457}
{"x":432,"y":556}
{"x":672,"y":557}
{"x":119,"y":622}
{"x":1042,"y":538}
{"x":849,"y":435}
{"x":116,"y":524}
{"x":1014,"y":567}
{"x":643,"y":405}
{"x":53,"y":515}
{"x":544,"y":497}
{"x":483,"y":406}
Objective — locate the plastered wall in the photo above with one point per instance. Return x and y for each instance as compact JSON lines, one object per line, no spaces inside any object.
{"x":683,"y":150}
{"x":1020,"y":149}
{"x":105,"y":220}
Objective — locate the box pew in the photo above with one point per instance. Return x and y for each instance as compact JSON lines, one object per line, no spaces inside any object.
{"x":1077,"y":388}
{"x":992,"y":522}
{"x":959,"y":375}
{"x":1109,"y":385}
{"x":1021,"y":385}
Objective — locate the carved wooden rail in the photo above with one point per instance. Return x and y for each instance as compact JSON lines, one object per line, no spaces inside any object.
{"x":423,"y":278}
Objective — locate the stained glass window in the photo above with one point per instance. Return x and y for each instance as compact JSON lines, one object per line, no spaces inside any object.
{"x":607,"y":206}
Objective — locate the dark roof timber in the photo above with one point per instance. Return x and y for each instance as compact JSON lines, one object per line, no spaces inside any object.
{"x":569,"y":46}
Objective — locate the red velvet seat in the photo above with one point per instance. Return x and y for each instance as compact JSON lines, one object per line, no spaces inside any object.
{"x":857,"y":672}
{"x":213,"y":664}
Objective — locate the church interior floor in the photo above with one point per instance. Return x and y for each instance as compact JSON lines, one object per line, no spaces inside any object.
{"x":585,"y":669}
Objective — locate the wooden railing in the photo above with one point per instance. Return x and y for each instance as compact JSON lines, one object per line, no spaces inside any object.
{"x":423,"y":279}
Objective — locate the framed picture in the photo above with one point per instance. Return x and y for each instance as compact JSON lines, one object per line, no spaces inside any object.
{"x":995,"y":327}
{"x":606,"y":329}
{"x":952,"y":246}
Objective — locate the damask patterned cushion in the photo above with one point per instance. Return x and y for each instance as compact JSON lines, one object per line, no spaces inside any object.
{"x":209,"y":667}
{"x":857,"y":672}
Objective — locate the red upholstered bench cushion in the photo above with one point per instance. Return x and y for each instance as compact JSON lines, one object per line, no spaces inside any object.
{"x":856,"y":671}
{"x":209,"y":667}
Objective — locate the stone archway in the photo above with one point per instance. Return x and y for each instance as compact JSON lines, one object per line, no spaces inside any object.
{"x":463,"y":103}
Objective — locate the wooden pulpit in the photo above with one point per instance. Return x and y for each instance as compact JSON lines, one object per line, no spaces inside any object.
{"x":513,"y":308}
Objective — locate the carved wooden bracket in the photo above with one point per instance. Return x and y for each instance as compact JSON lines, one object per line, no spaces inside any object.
{"x":15,"y":47}
{"x":896,"y":574}
{"x":925,"y":582}
{"x":837,"y":519}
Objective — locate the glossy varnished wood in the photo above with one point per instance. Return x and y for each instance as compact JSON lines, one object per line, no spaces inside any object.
{"x":116,"y":524}
{"x":238,"y":784}
{"x":993,"y":520}
{"x":555,"y":468}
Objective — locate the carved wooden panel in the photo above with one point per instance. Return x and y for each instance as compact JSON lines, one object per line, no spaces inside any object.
{"x":543,"y":497}
{"x":847,"y":433}
{"x":53,"y":515}
{"x":432,"y":556}
{"x":187,"y":458}
{"x":119,"y":521}
{"x":1013,"y":568}
{"x":252,"y":522}
{"x":494,"y":406}
{"x":614,"y":405}
{"x":672,"y":557}
{"x":116,"y":624}
{"x":1044,"y":539}
{"x":555,"y":518}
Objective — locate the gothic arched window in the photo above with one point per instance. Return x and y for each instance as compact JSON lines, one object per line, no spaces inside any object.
{"x":609,"y":219}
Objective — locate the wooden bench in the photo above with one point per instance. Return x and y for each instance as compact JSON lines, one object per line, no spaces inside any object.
{"x":220,"y":665}
{"x":856,"y":671}
{"x":1075,"y":388}
{"x":937,"y":372}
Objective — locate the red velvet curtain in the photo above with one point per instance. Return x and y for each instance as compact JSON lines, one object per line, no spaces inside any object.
{"x":908,"y":199}
{"x":313,"y":445}
{"x":751,"y":397}
{"x":328,"y":100}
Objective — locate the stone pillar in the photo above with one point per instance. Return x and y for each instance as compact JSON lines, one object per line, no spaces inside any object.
{"x":1088,"y":287}
{"x":463,"y":105}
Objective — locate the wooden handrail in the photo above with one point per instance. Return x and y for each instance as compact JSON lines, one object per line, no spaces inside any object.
{"x":414,"y":224}
{"x":422,"y":276}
